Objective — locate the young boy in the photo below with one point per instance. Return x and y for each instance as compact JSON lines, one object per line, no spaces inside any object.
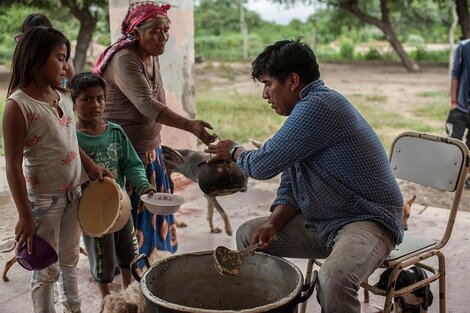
{"x":107,"y":144}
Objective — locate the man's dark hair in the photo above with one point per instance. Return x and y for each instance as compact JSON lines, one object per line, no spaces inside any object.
{"x":284,"y":57}
{"x":83,"y":81}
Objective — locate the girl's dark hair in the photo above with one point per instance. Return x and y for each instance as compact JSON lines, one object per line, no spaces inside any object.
{"x":32,"y":52}
{"x":35,"y":19}
{"x":85,"y":80}
{"x":284,"y":57}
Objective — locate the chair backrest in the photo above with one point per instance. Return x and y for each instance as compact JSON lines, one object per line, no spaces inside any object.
{"x":433,"y":161}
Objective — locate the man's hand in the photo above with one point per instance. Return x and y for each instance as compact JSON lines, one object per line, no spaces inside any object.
{"x":221,"y":150}
{"x":265,"y":236}
{"x":453,"y":103}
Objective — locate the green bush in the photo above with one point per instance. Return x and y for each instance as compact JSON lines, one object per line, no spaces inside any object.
{"x":434,"y":56}
{"x":326,"y":53}
{"x":346,"y":48}
{"x":416,"y":41}
{"x":373,"y":54}
{"x":226,"y":48}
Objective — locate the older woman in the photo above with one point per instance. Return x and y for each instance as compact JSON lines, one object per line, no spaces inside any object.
{"x":135,"y":99}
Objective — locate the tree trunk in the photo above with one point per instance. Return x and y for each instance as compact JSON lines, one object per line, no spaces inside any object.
{"x":87,"y":27}
{"x":410,"y":65}
{"x":464,"y":18}
{"x":244,"y":30}
{"x":85,"y":35}
{"x":455,"y":22}
{"x":386,"y":27}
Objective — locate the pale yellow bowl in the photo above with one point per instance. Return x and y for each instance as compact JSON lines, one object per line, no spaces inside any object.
{"x":162,"y":203}
{"x":104,"y":208}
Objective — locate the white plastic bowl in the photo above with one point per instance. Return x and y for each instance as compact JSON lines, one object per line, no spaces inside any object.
{"x":162,"y":203}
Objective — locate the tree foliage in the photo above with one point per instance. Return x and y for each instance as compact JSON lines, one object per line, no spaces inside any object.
{"x":217,"y":26}
{"x":217,"y":30}
{"x":82,"y":10}
{"x":385,"y":15}
{"x":216,"y":17}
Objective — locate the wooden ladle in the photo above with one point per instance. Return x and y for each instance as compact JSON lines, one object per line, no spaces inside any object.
{"x":227,"y":262}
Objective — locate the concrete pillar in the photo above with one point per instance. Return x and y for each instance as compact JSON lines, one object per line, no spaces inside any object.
{"x":177,"y":64}
{"x":117,"y":10}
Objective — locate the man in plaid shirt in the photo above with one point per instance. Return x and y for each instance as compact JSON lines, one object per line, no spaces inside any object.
{"x":338,"y":198}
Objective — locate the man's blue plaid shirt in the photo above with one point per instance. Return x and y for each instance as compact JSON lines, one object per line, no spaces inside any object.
{"x":334,"y":167}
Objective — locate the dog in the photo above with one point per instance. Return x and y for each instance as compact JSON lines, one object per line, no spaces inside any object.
{"x":186,"y":162}
{"x":12,"y":261}
{"x":417,"y":301}
{"x":407,"y":210}
{"x":131,"y":300}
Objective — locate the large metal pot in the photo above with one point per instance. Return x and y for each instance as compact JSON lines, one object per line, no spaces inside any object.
{"x":221,"y":178}
{"x":190,"y":283}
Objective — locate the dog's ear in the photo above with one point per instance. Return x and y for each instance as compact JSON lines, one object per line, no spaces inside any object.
{"x":383,"y":280}
{"x":411,"y":200}
{"x":428,"y":300}
{"x":172,"y":156}
{"x":424,"y":292}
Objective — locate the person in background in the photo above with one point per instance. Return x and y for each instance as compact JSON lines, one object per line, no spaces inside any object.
{"x":458,"y":120}
{"x":135,"y":99}
{"x":38,"y":129}
{"x":107,"y":144}
{"x":338,"y":198}
{"x":39,"y":19}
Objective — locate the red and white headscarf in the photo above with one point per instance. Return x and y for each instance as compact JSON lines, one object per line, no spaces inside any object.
{"x":137,"y":13}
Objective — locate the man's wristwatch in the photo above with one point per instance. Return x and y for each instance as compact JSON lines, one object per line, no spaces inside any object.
{"x":232,"y":152}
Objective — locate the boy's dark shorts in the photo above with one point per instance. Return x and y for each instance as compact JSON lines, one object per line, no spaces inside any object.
{"x":104,"y":252}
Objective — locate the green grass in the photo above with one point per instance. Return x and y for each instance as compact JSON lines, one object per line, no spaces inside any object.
{"x":242,"y":116}
{"x":434,"y":93}
{"x":236,"y":116}
{"x":387,"y":123}
{"x":437,"y":109}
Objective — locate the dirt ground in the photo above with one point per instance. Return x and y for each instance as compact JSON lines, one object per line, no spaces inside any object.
{"x":402,"y":92}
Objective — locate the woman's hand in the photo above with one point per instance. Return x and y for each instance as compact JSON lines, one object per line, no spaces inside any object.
{"x":265,"y":236}
{"x":198,"y":128}
{"x":221,"y":150}
{"x":24,"y":230}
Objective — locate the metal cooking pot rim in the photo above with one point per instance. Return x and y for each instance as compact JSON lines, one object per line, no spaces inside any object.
{"x":264,"y":308}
